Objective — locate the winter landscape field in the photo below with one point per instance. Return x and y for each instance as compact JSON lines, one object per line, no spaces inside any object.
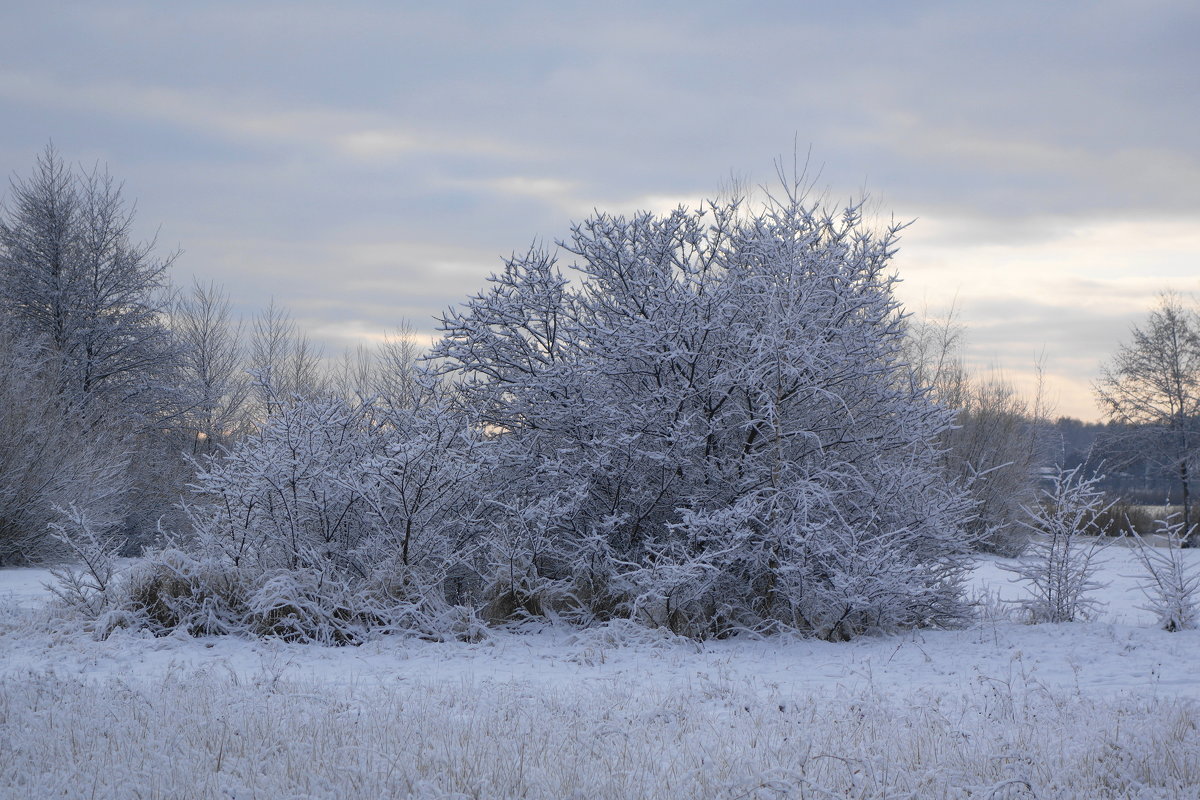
{"x":619,"y":400}
{"x":1108,"y":708}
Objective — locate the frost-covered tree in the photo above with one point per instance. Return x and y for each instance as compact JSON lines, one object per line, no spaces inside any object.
{"x":717,"y":405}
{"x":49,"y":458}
{"x":75,"y":285}
{"x":73,"y":278}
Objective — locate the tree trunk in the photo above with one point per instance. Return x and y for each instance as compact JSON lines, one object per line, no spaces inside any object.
{"x":1190,"y":537}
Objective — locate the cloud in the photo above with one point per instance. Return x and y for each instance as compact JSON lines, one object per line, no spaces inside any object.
{"x":349,"y":334}
{"x":217,"y":113}
{"x":381,"y":145}
{"x":242,"y":118}
{"x":369,"y":161}
{"x":1070,"y":292}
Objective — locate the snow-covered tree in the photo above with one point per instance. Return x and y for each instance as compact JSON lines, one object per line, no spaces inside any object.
{"x":50,"y":458}
{"x":77,"y":286}
{"x":719,"y":403}
{"x":72,"y":278}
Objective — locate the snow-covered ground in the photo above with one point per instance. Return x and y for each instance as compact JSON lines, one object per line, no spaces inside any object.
{"x":1107,"y":708}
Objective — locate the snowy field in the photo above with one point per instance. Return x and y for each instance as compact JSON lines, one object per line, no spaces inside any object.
{"x":1104,"y":709}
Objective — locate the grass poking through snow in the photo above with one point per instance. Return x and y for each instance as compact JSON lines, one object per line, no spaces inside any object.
{"x":206,"y":735}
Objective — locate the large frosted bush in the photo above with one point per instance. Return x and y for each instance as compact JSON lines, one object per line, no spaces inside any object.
{"x":717,"y":402}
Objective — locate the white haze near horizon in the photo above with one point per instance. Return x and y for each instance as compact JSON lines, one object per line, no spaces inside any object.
{"x":367,"y":163}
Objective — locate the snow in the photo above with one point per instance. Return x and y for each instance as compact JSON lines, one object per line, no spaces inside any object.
{"x":23,"y":587}
{"x":1058,"y":685}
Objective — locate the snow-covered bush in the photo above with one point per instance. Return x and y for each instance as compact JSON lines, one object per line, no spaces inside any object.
{"x":333,"y":520}
{"x":530,"y":569}
{"x":417,"y":492}
{"x":169,"y":590}
{"x":1059,"y":565}
{"x":279,"y":500}
{"x":711,"y":428}
{"x":87,"y":577}
{"x":1170,"y":583}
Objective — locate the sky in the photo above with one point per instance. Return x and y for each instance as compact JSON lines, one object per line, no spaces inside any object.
{"x":367,"y":164}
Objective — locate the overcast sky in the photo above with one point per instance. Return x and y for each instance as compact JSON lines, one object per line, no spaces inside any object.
{"x":366,"y":163}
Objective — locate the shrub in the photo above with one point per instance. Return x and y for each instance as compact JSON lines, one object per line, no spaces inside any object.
{"x":1058,"y":565}
{"x":334,"y":520}
{"x":1171,"y":584}
{"x":172,"y":590}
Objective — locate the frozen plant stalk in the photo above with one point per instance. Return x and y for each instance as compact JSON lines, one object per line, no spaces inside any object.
{"x":1170,"y":584}
{"x":1058,"y":566}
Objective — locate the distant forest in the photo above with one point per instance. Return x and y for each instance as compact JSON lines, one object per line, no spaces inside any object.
{"x":1102,"y":449}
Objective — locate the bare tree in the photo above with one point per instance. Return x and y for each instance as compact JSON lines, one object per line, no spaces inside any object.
{"x":212,"y":364}
{"x":270,"y":342}
{"x":354,"y":373}
{"x":396,"y":368}
{"x":993,"y":448}
{"x":284,"y":363}
{"x":385,"y":374}
{"x":933,"y":349}
{"x":1152,"y":386}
